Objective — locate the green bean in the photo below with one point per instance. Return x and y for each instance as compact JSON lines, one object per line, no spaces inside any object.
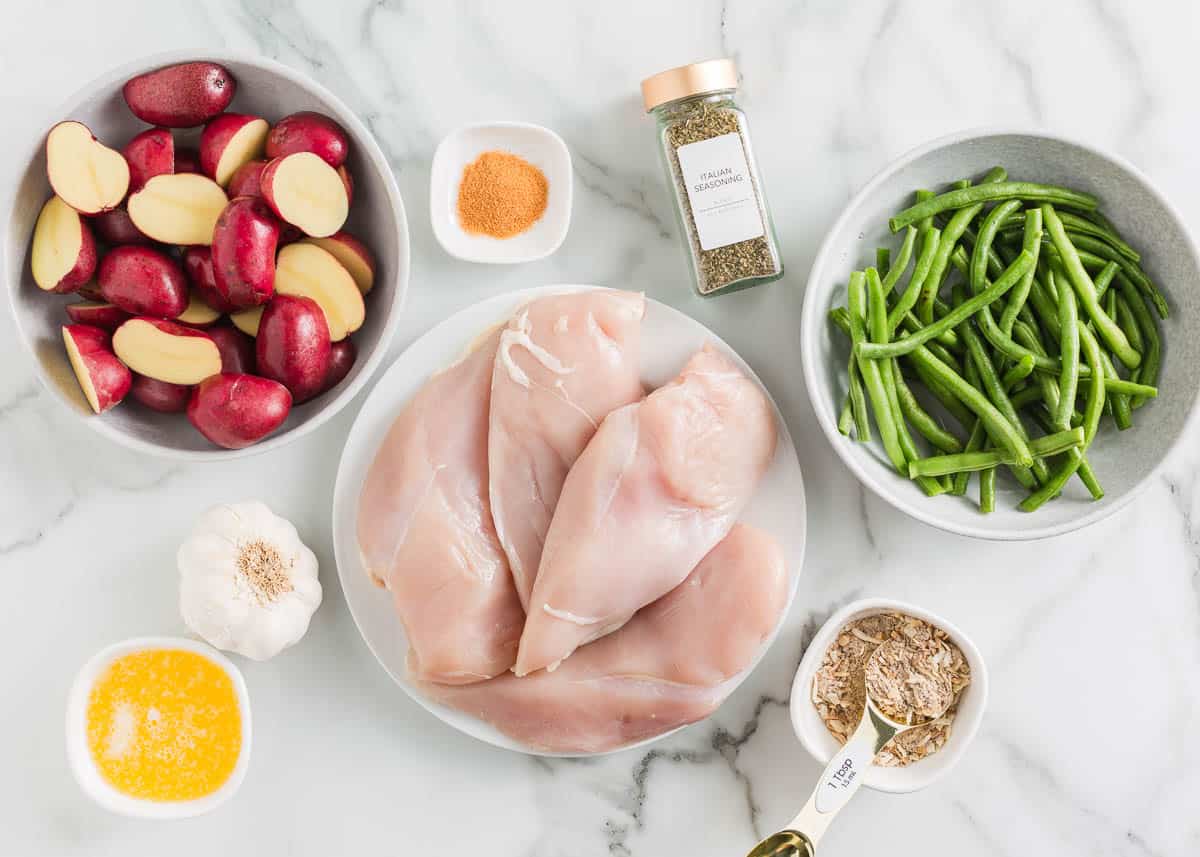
{"x":977,"y":270}
{"x":845,"y":423}
{"x":1042,"y":447}
{"x":1096,"y":388}
{"x":1125,"y":318}
{"x":925,"y":424}
{"x":953,"y":318}
{"x":883,"y":259}
{"x":1026,"y":397}
{"x":1068,"y":341}
{"x":894,"y":272}
{"x":876,"y":391}
{"x":963,"y":477}
{"x":1018,"y":372}
{"x":1085,"y":289}
{"x":858,"y":406}
{"x":1148,"y":371}
{"x":1131,"y":269}
{"x":908,"y":298}
{"x":1000,"y":429}
{"x":1054,"y":484}
{"x":987,"y":491}
{"x":1032,"y":241}
{"x":1081,"y":226}
{"x":1104,"y":279}
{"x":982,"y":193}
{"x":945,"y":398}
{"x":1121,"y":404}
{"x":950,"y":234}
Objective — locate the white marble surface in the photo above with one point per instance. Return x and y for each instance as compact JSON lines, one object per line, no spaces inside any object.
{"x":1090,"y":745}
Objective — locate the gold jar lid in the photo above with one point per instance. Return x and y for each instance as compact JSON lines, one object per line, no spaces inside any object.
{"x":688,"y":80}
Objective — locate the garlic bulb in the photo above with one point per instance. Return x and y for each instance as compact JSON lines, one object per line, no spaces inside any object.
{"x":247,"y":583}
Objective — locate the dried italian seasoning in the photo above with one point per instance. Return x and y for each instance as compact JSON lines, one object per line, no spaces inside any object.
{"x":721,"y":207}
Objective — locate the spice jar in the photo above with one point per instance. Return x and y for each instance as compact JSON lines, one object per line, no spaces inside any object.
{"x":719,"y":198}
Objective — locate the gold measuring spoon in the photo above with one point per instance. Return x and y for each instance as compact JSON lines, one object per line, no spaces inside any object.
{"x":839,"y":781}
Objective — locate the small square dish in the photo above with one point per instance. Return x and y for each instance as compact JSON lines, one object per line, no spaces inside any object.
{"x":537,"y":145}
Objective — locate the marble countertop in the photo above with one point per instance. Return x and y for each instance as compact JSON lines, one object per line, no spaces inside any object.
{"x":1090,"y":744}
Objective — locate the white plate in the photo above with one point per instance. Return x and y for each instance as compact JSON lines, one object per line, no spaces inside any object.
{"x":668,"y":338}
{"x":537,"y":145}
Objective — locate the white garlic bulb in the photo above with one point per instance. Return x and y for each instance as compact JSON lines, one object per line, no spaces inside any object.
{"x":247,"y":584}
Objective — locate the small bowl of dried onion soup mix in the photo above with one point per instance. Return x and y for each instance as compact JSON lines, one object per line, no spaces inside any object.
{"x":828,"y":692}
{"x":159,"y":727}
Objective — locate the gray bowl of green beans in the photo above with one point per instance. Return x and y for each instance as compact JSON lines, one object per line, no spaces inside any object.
{"x":1000,"y":334}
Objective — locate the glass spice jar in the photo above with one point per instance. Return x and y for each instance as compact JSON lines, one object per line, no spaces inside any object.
{"x":720,"y":203}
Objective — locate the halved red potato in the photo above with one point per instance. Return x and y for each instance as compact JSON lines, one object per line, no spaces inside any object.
{"x":182,"y":95}
{"x":308,"y":131}
{"x":102,"y":315}
{"x":247,"y":320}
{"x":88,"y":176}
{"x":178,"y":209}
{"x":307,"y":270}
{"x":352,"y":254}
{"x":63,"y":255}
{"x":166,"y":351}
{"x":293,"y":345}
{"x":229,"y":141}
{"x":235,"y":411}
{"x":149,"y":154}
{"x":198,"y":312}
{"x":306,"y":192}
{"x":115,"y":227}
{"x":243,"y":252}
{"x":187,"y":160}
{"x":103,"y":378}
{"x":341,"y":360}
{"x":143,"y":281}
{"x":245,"y":181}
{"x":237,"y":349}
{"x":161,"y":396}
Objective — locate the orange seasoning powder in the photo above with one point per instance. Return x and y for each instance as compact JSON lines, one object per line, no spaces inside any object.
{"x":501,"y":195}
{"x":164,"y":725}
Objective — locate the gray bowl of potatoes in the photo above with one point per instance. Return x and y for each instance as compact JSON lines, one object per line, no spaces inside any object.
{"x":155,"y":375}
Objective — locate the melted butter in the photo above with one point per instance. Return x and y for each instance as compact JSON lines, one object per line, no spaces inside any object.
{"x":164,"y":724}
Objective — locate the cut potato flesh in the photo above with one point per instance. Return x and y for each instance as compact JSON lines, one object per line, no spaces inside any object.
{"x":89,"y":176}
{"x":309,"y":194}
{"x":351,"y":258}
{"x":149,"y":350}
{"x":198,"y":313}
{"x":247,"y":320}
{"x":57,"y":240}
{"x":307,"y":270}
{"x":244,"y":146}
{"x":181,"y":208}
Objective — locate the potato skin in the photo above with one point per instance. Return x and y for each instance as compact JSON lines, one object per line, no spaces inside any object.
{"x":342,"y":355}
{"x":245,"y":181}
{"x":292,"y":346}
{"x":180,"y":96}
{"x":187,"y":160}
{"x":104,"y":316}
{"x":308,"y":131}
{"x":149,"y":154}
{"x":243,"y":253}
{"x":116,"y":227}
{"x":197,"y":264}
{"x":143,"y":281}
{"x":109,"y":377}
{"x":237,"y":349}
{"x":235,"y":411}
{"x":161,"y":396}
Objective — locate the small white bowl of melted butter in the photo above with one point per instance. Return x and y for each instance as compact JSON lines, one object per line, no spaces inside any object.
{"x":828,"y":692}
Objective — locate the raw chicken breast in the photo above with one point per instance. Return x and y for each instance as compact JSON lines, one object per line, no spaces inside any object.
{"x":672,"y":664}
{"x":426,"y":532}
{"x":564,"y":362}
{"x":660,"y":484}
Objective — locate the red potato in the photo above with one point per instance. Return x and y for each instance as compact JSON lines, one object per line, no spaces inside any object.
{"x":180,"y":96}
{"x":197,"y":264}
{"x":293,"y":345}
{"x":160,"y":396}
{"x":306,"y":192}
{"x":309,"y":132}
{"x":229,"y":141}
{"x":187,"y":160}
{"x":149,"y":154}
{"x":102,"y":315}
{"x":181,"y":208}
{"x":353,"y":255}
{"x":243,"y":252}
{"x":245,"y":181}
{"x":166,"y":351}
{"x":198,"y":312}
{"x":347,"y":182}
{"x":115,"y":227}
{"x":237,"y":349}
{"x":235,"y":411}
{"x":91,"y":291}
{"x":306,"y":269}
{"x":143,"y":281}
{"x":86,"y":174}
{"x":103,"y":378}
{"x":63,"y":255}
{"x":341,"y":360}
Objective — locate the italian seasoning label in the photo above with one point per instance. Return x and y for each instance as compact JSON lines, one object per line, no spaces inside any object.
{"x":719,"y":189}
